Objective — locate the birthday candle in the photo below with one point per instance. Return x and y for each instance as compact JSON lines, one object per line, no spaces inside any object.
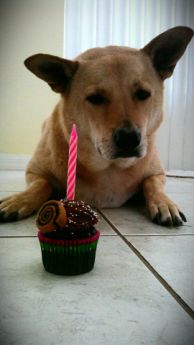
{"x":71,"y":174}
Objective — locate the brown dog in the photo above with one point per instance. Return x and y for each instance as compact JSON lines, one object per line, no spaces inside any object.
{"x":115,"y":96}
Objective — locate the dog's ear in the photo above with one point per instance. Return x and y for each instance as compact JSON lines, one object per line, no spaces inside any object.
{"x":167,"y":48}
{"x":57,"y":72}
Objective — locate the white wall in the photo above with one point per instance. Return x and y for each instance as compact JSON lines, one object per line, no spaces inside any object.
{"x":26,"y":27}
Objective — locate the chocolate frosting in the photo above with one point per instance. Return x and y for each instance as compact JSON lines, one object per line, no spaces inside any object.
{"x":66,"y":219}
{"x":79,"y":215}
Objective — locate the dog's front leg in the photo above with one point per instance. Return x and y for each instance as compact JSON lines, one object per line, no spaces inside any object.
{"x":22,"y":205}
{"x":163,"y":210}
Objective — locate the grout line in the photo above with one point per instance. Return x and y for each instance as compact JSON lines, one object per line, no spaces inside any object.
{"x":19,"y":236}
{"x":12,"y":191}
{"x":35,"y":236}
{"x":164,"y":283}
{"x":108,"y":235}
{"x":157,"y":235}
{"x":177,"y":174}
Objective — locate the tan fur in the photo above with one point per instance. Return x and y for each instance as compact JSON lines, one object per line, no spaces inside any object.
{"x":103,"y":181}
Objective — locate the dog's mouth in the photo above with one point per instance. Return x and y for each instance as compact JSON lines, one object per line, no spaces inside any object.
{"x":136,"y":153}
{"x":114,"y":153}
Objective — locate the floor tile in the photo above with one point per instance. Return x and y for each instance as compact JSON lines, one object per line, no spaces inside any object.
{"x":186,"y":203}
{"x":13,"y":181}
{"x":119,"y":302}
{"x":24,"y":227}
{"x":134,"y":220}
{"x":180,"y":190}
{"x":179,"y":185}
{"x":27,"y":227}
{"x":173,"y":258}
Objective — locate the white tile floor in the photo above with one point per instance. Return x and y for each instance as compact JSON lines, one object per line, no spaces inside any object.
{"x":141,"y":290}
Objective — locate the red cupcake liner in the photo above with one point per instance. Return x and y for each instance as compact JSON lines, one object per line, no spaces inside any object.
{"x":75,"y":242}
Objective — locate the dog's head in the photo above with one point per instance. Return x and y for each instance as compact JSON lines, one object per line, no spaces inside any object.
{"x":114,"y":94}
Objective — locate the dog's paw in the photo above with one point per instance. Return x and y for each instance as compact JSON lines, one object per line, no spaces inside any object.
{"x":164,"y":211}
{"x":15,"y":207}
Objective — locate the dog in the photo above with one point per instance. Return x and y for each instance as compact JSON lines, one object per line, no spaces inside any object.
{"x":115,"y":97}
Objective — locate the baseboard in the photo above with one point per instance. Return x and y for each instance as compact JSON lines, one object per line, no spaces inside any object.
{"x":13,"y":161}
{"x":19,"y":162}
{"x":180,"y":173}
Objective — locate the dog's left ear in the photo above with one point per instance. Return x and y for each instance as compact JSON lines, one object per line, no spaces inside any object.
{"x":57,"y":72}
{"x":167,"y":48}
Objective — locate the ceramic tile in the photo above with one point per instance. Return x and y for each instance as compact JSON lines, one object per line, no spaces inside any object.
{"x":27,"y":227}
{"x":104,"y":227}
{"x":119,"y":302}
{"x":186,"y":203}
{"x":130,"y":220}
{"x":12,"y":180}
{"x":24,"y":227}
{"x":173,"y":258}
{"x":134,"y":221}
{"x":133,"y":218}
{"x":180,"y":185}
{"x":4,"y":194}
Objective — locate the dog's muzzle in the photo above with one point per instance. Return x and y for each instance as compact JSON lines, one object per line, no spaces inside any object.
{"x":127,"y":142}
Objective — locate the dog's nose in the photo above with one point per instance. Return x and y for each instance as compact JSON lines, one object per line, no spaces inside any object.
{"x":127,"y":138}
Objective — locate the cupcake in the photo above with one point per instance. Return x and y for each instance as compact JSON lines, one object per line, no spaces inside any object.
{"x":68,"y":238}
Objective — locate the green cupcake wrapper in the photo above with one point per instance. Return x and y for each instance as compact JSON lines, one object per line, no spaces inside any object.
{"x":68,"y":260}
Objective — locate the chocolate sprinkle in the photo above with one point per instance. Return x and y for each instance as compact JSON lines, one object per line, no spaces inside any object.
{"x":79,"y":215}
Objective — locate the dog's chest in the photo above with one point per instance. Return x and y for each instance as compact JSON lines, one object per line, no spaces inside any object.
{"x":109,"y":188}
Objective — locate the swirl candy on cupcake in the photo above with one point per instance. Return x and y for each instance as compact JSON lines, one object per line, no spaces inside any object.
{"x":52,"y":215}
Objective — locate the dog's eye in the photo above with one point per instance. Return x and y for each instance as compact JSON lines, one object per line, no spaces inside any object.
{"x":142,"y":94}
{"x":96,"y":98}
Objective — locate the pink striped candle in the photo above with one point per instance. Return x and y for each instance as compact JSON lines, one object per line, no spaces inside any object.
{"x":71,"y":174}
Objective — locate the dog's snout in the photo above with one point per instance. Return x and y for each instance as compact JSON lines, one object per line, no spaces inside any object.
{"x":127,"y":138}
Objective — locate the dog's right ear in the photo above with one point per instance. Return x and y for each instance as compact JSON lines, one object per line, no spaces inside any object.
{"x":57,"y":72}
{"x":166,"y":49}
